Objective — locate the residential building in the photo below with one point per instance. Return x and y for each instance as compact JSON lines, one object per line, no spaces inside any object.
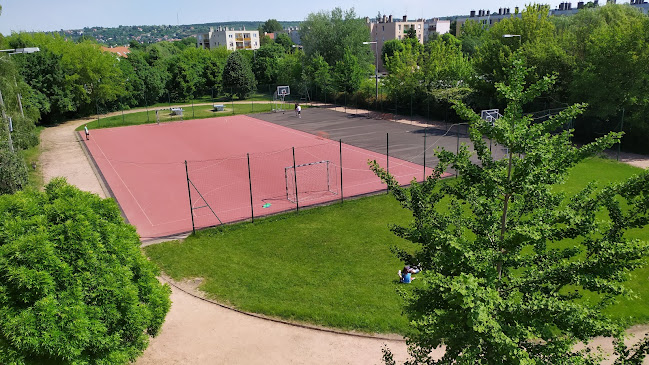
{"x":294,"y":33}
{"x":231,"y":39}
{"x":387,"y":28}
{"x":487,"y":18}
{"x":435,"y":25}
{"x":122,"y":51}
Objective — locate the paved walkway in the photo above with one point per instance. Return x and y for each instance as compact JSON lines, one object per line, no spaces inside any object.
{"x":200,"y":332}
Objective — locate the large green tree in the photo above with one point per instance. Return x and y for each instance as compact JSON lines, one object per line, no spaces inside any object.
{"x":75,"y":288}
{"x":238,"y":78}
{"x":270,"y":26}
{"x":331,"y":34}
{"x":507,"y":258}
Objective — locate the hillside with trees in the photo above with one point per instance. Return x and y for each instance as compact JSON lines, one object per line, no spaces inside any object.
{"x":147,"y":34}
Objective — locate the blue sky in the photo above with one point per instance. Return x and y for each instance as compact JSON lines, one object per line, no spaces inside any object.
{"x":48,"y":15}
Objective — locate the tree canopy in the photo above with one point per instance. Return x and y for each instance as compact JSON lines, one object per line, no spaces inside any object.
{"x":507,"y":258}
{"x":75,"y":286}
{"x":238,"y":78}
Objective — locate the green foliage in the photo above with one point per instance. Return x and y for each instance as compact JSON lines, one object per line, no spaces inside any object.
{"x":284,"y":40}
{"x":411,"y":34}
{"x":270,"y":26}
{"x":75,"y":287}
{"x":266,"y":61}
{"x":390,"y":48}
{"x":503,"y":251}
{"x":348,"y":73}
{"x":238,"y":78}
{"x":332,"y":34}
{"x":13,"y":171}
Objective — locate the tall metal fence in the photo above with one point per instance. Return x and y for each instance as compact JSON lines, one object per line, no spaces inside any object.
{"x":240,"y":188}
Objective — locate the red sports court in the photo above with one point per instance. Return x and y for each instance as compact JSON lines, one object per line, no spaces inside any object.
{"x":229,"y":160}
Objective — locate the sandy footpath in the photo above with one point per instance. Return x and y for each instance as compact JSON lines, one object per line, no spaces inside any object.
{"x":199,"y":332}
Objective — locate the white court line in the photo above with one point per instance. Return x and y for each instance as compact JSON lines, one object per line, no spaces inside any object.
{"x":124,"y":183}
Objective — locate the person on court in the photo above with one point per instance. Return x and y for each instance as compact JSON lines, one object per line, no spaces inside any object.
{"x":87,"y":132}
{"x":298,"y":109}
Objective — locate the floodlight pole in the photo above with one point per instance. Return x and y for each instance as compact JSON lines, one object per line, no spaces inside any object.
{"x":376,"y":70}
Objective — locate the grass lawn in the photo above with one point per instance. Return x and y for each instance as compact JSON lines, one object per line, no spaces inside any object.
{"x":332,"y":265}
{"x":189,"y":112}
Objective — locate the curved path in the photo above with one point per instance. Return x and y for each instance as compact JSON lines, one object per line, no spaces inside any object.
{"x":199,"y":332}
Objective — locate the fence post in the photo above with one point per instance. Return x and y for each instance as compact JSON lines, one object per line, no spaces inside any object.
{"x":619,"y":144}
{"x":387,"y":151}
{"x":297,"y":201}
{"x":191,"y":208}
{"x":340,"y":144}
{"x":252,"y":209}
{"x":425,"y":130}
{"x":457,"y":132}
{"x":411,"y":118}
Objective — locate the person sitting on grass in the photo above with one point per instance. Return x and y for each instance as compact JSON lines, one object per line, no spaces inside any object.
{"x":405,"y":277}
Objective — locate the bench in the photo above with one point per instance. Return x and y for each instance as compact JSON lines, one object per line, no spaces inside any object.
{"x":218,"y":107}
{"x":177,"y":111}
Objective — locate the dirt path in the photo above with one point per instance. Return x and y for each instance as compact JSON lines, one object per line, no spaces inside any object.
{"x":199,"y":332}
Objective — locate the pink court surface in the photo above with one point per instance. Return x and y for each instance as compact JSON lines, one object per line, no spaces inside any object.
{"x":144,"y":166}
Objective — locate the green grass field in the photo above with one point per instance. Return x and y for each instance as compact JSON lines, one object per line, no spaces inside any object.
{"x":332,"y":265}
{"x":189,"y":112}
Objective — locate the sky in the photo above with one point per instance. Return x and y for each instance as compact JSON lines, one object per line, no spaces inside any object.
{"x":50,"y":15}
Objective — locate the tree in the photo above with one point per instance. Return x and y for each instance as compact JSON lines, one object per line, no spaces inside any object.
{"x":348,"y":73}
{"x":238,"y":78}
{"x":270,"y":26}
{"x":265,"y":64}
{"x":612,"y":71}
{"x":390,"y":47}
{"x":13,"y":173}
{"x":284,"y":40}
{"x":264,"y":40}
{"x":76,"y":287}
{"x":331,"y":34}
{"x":411,"y":34}
{"x":44,"y":72}
{"x":506,"y":256}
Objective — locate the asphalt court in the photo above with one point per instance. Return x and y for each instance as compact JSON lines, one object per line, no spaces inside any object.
{"x":406,"y":140}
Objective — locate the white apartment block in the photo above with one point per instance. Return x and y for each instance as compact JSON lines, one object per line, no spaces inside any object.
{"x":231,"y":39}
{"x":386,"y":28}
{"x":436,"y":25}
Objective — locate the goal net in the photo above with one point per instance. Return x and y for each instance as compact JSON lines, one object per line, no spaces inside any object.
{"x":314,"y":180}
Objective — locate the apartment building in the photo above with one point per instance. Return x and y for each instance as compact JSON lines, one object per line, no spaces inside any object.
{"x":488,"y":18}
{"x":231,"y":39}
{"x":436,"y":25}
{"x":387,"y":28}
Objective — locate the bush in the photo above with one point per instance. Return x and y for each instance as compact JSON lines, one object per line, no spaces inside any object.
{"x":74,"y":286}
{"x":13,"y":172}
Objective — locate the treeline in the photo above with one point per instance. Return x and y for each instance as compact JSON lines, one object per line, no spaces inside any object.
{"x":599,"y":56}
{"x":148,"y":34}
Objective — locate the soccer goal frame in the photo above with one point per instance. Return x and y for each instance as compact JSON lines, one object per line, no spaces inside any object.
{"x":309,"y":178}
